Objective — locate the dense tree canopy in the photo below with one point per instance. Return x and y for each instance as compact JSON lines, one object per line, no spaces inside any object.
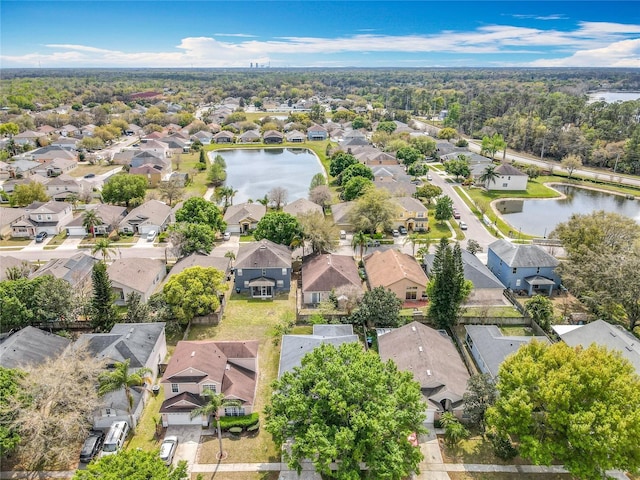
{"x":132,"y":464}
{"x":199,"y":210}
{"x":188,"y":238}
{"x":340,"y":161}
{"x":570,"y":405}
{"x":355,"y":170}
{"x":355,"y":188}
{"x":9,"y":386}
{"x":28,"y":193}
{"x":194,"y":292}
{"x":123,"y":188}
{"x":374,"y":211}
{"x":345,"y":404}
{"x":379,"y":307}
{"x":279,"y":227}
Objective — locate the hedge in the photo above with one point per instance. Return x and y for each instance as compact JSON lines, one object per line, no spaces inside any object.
{"x":243,"y":421}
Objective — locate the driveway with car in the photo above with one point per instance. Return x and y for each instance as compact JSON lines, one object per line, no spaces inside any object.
{"x":188,"y":442}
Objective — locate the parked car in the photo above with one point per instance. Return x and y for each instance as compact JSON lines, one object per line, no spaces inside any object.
{"x":429,"y":177}
{"x":456,"y":215}
{"x":463,"y":226}
{"x":402,"y":230}
{"x":395,"y":233}
{"x":41,"y":236}
{"x":151,"y":236}
{"x":373,"y":243}
{"x":168,"y":449}
{"x":90,"y":175}
{"x":226,"y":236}
{"x":116,"y":436}
{"x":92,"y":446}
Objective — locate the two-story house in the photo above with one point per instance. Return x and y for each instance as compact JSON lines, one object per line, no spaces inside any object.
{"x":263,"y":269}
{"x":50,"y":217}
{"x":230,"y":368}
{"x":413,"y":215}
{"x":140,"y":275}
{"x":398,"y":272}
{"x":527,"y":268}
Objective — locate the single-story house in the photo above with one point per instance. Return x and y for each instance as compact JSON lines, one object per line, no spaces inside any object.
{"x":197,"y":260}
{"x":433,"y":359}
{"x":317,"y":132}
{"x":229,"y":368}
{"x":263,"y":269}
{"x":30,"y":346}
{"x":341,"y":215}
{"x":272,"y":136}
{"x":398,"y":272}
{"x":224,"y":136}
{"x":151,"y":215}
{"x":324,"y":273}
{"x":250,"y":136}
{"x":489,"y":347}
{"x":244,"y":217}
{"x":140,"y":275}
{"x":294,"y":347}
{"x":111,"y":216}
{"x":75,"y":270}
{"x":301,"y":206}
{"x":9,"y":216}
{"x":295,"y":136}
{"x":8,"y":262}
{"x":527,"y":268}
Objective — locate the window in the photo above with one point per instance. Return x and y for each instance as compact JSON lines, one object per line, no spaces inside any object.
{"x":411,"y":293}
{"x":109,"y":412}
{"x":246,"y":284}
{"x":420,"y":214}
{"x":505,"y":185}
{"x":175,"y":388}
{"x":233,"y":411}
{"x":209,"y":386}
{"x":284,"y":272}
{"x":515,"y":270}
{"x":239,"y":272}
{"x":538,"y":270}
{"x":264,"y":272}
{"x":280,"y":283}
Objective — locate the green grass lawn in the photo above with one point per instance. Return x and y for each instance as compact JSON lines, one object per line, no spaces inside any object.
{"x":82,"y":170}
{"x":15,"y":242}
{"x":517,"y":331}
{"x":249,"y":319}
{"x":502,"y":312}
{"x":145,"y":437}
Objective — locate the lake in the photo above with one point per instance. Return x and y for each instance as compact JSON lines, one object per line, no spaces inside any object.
{"x":253,"y":172}
{"x":612,"y":97}
{"x":539,"y":217}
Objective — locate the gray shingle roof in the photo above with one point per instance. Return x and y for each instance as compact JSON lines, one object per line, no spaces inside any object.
{"x":494,"y":347}
{"x":522,"y":255}
{"x":73,"y":270}
{"x":30,"y":346}
{"x":474,"y":270}
{"x":263,"y":254}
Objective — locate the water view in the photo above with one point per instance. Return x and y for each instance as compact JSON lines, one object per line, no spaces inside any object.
{"x":539,"y":217}
{"x":612,"y":97}
{"x":253,"y":172}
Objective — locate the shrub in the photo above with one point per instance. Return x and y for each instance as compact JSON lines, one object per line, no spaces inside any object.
{"x":253,"y":428}
{"x":243,"y":421}
{"x":162,"y":237}
{"x":502,"y":446}
{"x":235,"y":430}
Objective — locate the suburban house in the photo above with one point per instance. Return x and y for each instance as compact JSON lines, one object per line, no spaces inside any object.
{"x":263,"y":269}
{"x":224,"y":136}
{"x":28,"y":137}
{"x":294,"y":347}
{"x":22,"y":168}
{"x":62,"y":186}
{"x":161,"y":149}
{"x":272,"y":136}
{"x":8,"y":262}
{"x":197,"y":260}
{"x":229,"y":368}
{"x":489,"y":347}
{"x":613,"y":337}
{"x":151,"y":215}
{"x":30,"y":346}
{"x":301,"y":206}
{"x":244,"y":217}
{"x":509,"y":178}
{"x":7,"y":217}
{"x":324,"y":273}
{"x":250,"y":136}
{"x":342,"y":215}
{"x":527,"y":268}
{"x":153,"y":173}
{"x":296,"y":136}
{"x":145,"y":346}
{"x":50,"y":217}
{"x":110,"y":215}
{"x":398,"y":272}
{"x":203,"y":137}
{"x":317,"y":132}
{"x":139,"y":275}
{"x":413,"y":215}
{"x":487,"y":289}
{"x":435,"y":363}
{"x":75,"y":270}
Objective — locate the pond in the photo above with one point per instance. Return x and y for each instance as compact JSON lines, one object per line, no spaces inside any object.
{"x":253,"y":172}
{"x":612,"y":97}
{"x":539,"y":217}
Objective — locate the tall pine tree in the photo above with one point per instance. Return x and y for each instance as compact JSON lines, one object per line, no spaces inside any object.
{"x":103,"y":310}
{"x":447,"y":287}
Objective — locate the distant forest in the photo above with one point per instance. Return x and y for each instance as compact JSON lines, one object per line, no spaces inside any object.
{"x":544,"y":112}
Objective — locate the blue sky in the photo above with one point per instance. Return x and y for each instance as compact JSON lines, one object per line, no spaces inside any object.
{"x":307,"y":33}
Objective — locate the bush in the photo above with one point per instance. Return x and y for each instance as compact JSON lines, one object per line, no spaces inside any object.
{"x":253,"y":428}
{"x":162,"y":237}
{"x":243,"y":421}
{"x":235,"y":430}
{"x":502,"y":446}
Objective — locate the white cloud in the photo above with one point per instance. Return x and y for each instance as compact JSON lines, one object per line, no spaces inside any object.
{"x":591,"y":43}
{"x":241,"y":35}
{"x":623,"y":54}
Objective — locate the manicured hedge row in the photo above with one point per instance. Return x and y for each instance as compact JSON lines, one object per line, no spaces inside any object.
{"x":243,"y":421}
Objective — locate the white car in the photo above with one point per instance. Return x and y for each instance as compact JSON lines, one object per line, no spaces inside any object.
{"x":463,"y":226}
{"x":151,"y":236}
{"x":226,"y":236}
{"x":168,"y":449}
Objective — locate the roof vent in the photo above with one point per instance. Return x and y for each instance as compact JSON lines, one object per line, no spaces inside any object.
{"x":413,"y":328}
{"x":429,"y":372}
{"x":420,"y":349}
{"x":193,"y":354}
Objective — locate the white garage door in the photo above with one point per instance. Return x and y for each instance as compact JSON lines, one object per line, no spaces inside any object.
{"x":430,"y":416}
{"x":182,"y":419}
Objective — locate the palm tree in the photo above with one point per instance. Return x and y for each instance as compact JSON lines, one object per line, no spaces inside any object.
{"x":90,"y":220}
{"x":489,"y":175}
{"x":416,"y":240}
{"x":73,"y":199}
{"x":211,"y":407}
{"x":231,"y":256}
{"x":120,"y":377}
{"x":103,"y":246}
{"x":360,"y":241}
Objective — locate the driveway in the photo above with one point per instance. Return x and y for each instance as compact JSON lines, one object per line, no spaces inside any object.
{"x":188,"y":442}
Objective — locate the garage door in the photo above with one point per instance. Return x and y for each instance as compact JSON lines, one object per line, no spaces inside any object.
{"x":182,"y":419}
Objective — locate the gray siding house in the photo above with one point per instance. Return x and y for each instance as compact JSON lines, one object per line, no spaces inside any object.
{"x":263,"y":269}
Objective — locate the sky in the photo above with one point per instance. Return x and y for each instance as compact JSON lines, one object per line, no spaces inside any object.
{"x":308,"y":33}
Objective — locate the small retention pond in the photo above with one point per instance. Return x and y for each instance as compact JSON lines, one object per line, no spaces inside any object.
{"x":253,"y":172}
{"x":539,"y":217}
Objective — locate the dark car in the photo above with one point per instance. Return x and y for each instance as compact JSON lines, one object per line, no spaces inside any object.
{"x":402,"y":230}
{"x":92,"y":446}
{"x":90,"y":175}
{"x":41,"y":236}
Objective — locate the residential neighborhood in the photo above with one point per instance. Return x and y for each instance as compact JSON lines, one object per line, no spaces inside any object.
{"x":226,"y":335}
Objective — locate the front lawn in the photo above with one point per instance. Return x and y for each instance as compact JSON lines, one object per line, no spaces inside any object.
{"x":505,"y":311}
{"x":15,"y":242}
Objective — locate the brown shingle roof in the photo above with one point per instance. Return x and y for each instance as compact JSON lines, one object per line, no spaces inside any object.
{"x":325,"y":272}
{"x":389,"y":267}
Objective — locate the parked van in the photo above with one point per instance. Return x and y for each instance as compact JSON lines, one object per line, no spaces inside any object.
{"x":114,"y":441}
{"x":343,"y":234}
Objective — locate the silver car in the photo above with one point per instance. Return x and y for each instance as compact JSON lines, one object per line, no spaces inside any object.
{"x":168,"y":449}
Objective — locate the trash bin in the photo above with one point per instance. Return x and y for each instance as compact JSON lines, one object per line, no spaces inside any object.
{"x":155,"y":389}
